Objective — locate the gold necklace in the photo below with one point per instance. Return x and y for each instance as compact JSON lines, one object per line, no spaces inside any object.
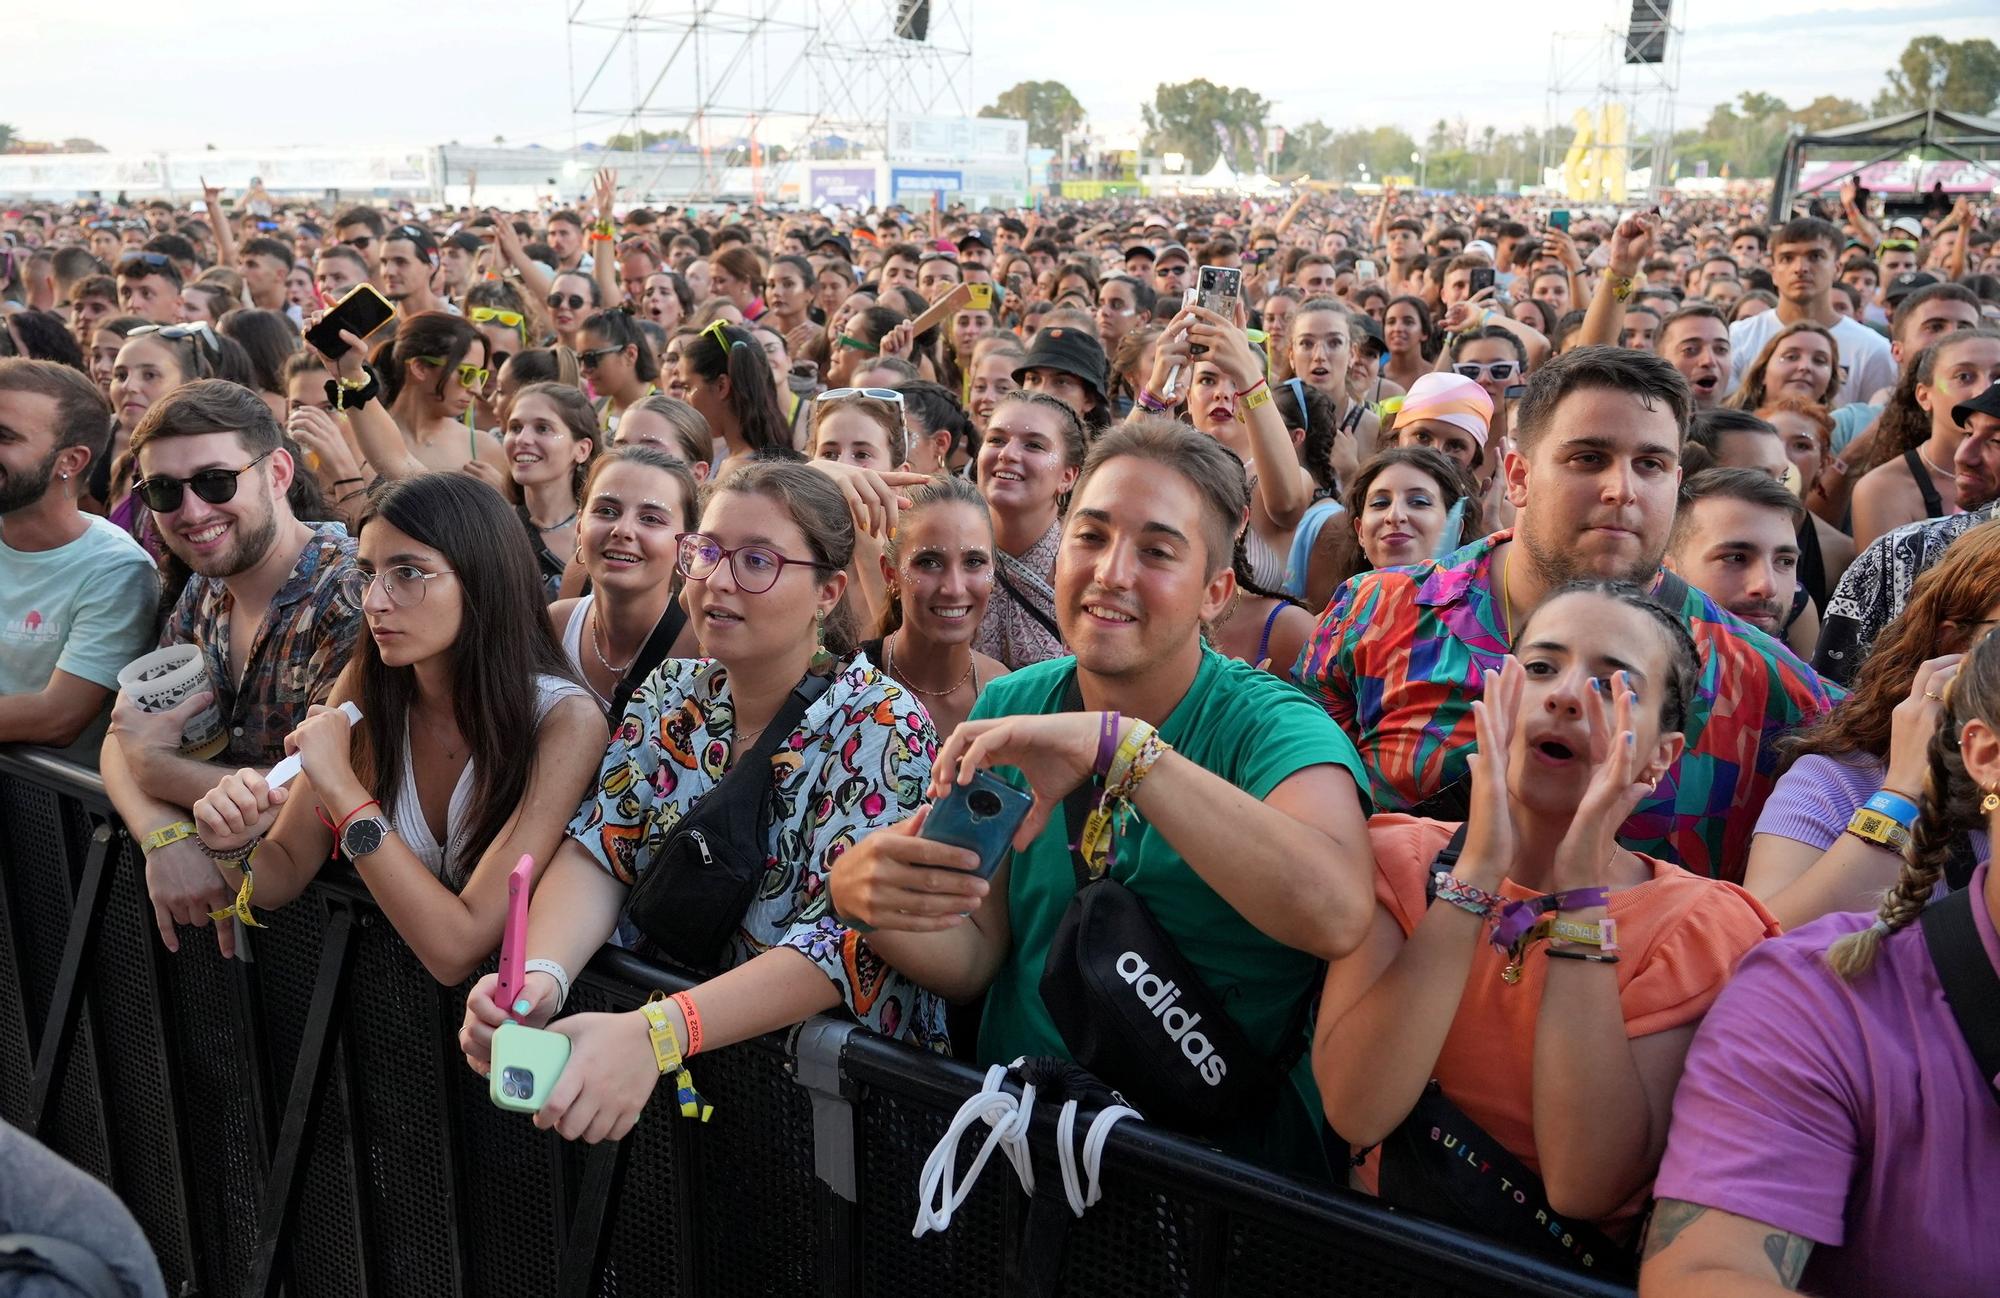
{"x":889,"y":668}
{"x":1928,"y":465}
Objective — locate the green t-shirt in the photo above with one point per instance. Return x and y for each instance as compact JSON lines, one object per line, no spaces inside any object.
{"x":1252,"y":729}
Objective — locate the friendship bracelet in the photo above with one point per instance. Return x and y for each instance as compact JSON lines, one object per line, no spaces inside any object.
{"x":1147,"y":401}
{"x":1260,"y":383}
{"x":1475,"y":901}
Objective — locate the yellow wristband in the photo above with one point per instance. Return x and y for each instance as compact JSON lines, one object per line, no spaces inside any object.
{"x":1260,"y":397}
{"x":166,"y":835}
{"x":1871,"y":826}
{"x":660,"y":1028}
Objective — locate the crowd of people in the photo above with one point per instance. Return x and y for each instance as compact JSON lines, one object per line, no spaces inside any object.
{"x":1618,"y":582}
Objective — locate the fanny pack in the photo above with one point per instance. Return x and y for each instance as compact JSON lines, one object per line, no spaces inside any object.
{"x":691,"y":899}
{"x":1135,"y":1012}
{"x":1440,"y":1164}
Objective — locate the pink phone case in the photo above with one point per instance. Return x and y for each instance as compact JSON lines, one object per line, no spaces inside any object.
{"x":514,"y":941}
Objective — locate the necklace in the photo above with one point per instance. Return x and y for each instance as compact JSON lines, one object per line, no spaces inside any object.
{"x":450,"y":754}
{"x":1235,"y":598}
{"x":596,"y":628}
{"x":556,"y":526}
{"x":889,"y":666}
{"x":1507,"y":597}
{"x":1928,"y":465}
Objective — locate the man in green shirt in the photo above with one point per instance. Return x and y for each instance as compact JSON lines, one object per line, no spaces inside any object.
{"x":1246,"y":840}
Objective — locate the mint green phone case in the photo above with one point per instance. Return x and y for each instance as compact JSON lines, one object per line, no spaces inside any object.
{"x":526,"y":1064}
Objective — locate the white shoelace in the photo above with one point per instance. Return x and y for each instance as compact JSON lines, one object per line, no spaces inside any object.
{"x":1009,"y":1117}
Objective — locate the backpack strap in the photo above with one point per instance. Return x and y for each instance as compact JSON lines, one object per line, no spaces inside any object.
{"x":1971,"y":987}
{"x":659,"y":643}
{"x":1446,"y":862}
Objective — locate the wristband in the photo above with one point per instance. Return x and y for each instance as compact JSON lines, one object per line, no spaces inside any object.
{"x":1260,"y":383}
{"x":692,"y":1016}
{"x":341,"y":482}
{"x":555,"y":971}
{"x":667,"y":1054}
{"x":167,"y":835}
{"x":1893,"y":805}
{"x":1107,"y":744}
{"x":1259,"y":396}
{"x":1475,"y":901}
{"x":1147,"y":401}
{"x":1879,"y":830}
{"x":1602,"y":935}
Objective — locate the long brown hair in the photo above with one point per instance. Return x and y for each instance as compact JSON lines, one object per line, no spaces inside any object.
{"x":504,"y":643}
{"x":1750,"y":393}
{"x":1959,"y":589}
{"x":1906,"y":425}
{"x":1950,"y":808}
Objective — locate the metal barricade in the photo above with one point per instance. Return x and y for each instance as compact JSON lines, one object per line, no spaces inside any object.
{"x":302,"y":1120}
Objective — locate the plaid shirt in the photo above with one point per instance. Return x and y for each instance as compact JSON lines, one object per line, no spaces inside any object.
{"x":301,"y":646}
{"x":1396,"y":660}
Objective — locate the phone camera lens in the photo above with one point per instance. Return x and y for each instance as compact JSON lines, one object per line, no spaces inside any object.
{"x":984,"y":802}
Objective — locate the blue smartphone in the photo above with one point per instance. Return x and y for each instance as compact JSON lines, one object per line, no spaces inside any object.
{"x":980,"y":817}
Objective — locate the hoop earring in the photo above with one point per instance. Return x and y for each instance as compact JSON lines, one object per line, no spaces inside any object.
{"x":821,"y":661}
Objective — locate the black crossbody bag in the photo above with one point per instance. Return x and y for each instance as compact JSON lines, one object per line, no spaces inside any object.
{"x":690,"y":900}
{"x":1135,"y":1012}
{"x":1440,"y":1164}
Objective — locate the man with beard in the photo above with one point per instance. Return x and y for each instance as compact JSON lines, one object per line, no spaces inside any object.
{"x":1736,"y":540}
{"x":1400,"y":654}
{"x":263,"y":607}
{"x":77,"y":593}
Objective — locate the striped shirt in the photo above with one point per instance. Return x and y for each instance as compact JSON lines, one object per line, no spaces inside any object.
{"x":1397,"y":660}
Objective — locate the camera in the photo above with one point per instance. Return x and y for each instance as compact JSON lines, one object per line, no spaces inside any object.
{"x":517,"y":1083}
{"x":984,"y":803}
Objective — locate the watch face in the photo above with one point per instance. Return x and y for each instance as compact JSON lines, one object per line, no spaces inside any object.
{"x":362,"y":837}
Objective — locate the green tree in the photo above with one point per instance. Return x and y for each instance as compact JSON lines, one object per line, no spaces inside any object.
{"x":6,"y":137}
{"x":1828,"y":111}
{"x":636,"y":142}
{"x":1048,"y":107}
{"x":1960,"y":75}
{"x":1199,"y":119}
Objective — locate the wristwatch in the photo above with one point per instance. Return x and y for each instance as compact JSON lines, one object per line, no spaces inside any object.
{"x":363,"y":836}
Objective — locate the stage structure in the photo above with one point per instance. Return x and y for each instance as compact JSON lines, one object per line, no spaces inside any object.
{"x":760,"y":84}
{"x":1615,"y":87}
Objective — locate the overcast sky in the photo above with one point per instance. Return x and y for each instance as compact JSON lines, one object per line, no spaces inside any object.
{"x":137,"y":76}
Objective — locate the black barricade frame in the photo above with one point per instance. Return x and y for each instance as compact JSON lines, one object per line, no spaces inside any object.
{"x":302,"y":1121}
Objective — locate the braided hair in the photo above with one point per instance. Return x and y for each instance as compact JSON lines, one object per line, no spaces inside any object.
{"x":1950,"y":806}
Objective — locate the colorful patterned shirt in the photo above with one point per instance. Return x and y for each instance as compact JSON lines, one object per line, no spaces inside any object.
{"x":857,"y":760}
{"x":301,"y":646}
{"x":1012,"y":631}
{"x":1397,"y":660}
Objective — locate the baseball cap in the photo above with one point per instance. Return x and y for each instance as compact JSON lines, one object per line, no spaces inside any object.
{"x":1450,"y":399}
{"x":1986,"y":403}
{"x":1371,"y":334}
{"x":1173,"y":250}
{"x":1140,"y":250}
{"x":1909,"y":225}
{"x":1069,"y":351}
{"x":979,"y":237}
{"x":1907,"y":283}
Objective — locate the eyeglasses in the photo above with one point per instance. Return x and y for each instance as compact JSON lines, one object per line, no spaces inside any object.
{"x":1180,"y":269}
{"x":360,"y":242}
{"x":878,"y":394}
{"x":164,"y":494}
{"x":576,"y":301}
{"x":470,"y":375}
{"x":755,"y":568}
{"x":201,"y":331}
{"x":1496,"y":371}
{"x":588,"y":360}
{"x":404,"y":584}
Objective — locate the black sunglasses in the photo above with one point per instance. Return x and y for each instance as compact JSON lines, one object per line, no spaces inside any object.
{"x":360,"y":242}
{"x":576,"y":300}
{"x":163,"y":494}
{"x":588,"y":360}
{"x":144,"y":259}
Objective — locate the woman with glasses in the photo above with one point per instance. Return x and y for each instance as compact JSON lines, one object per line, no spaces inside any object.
{"x":618,"y":364}
{"x":508,"y":321}
{"x":474,"y":744}
{"x":550,"y":439}
{"x":411,"y":410}
{"x":572,"y":297}
{"x":765,"y":577}
{"x":638,"y":501}
{"x":729,"y":382}
{"x":1496,"y":359}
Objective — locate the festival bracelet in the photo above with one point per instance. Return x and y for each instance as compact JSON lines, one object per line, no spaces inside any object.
{"x":167,"y":835}
{"x":1473,"y":900}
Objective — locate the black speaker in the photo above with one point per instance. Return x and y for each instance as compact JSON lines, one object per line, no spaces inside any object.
{"x":913,"y":19}
{"x":1646,"y":31}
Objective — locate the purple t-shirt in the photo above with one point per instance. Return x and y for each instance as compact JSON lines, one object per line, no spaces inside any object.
{"x":1851,"y":1114}
{"x":1816,"y":797}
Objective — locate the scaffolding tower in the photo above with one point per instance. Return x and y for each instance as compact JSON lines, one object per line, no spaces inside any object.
{"x":1592,"y":70}
{"x":761,"y":84}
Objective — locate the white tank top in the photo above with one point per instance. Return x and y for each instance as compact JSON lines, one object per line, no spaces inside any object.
{"x":572,"y":636}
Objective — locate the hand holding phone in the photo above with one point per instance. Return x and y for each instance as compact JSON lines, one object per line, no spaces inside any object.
{"x":360,"y":312}
{"x":981,"y":816}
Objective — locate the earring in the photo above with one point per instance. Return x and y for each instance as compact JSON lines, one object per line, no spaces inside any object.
{"x":1991,"y":802}
{"x":821,"y":661}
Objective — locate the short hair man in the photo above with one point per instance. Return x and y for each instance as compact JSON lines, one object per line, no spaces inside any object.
{"x":566,"y":238}
{"x":77,"y":594}
{"x":265,"y":263}
{"x":1315,"y":275}
{"x":263,"y":607}
{"x":337,"y":270}
{"x":1805,"y":257}
{"x":149,"y":286}
{"x":1170,"y":270}
{"x":1697,"y":341}
{"x":1747,"y":244}
{"x":900,"y":265}
{"x":1593,"y":475}
{"x":408,"y":269}
{"x":362,"y":228}
{"x":1144,"y":561}
{"x":1736,"y":540}
{"x":93,"y":300}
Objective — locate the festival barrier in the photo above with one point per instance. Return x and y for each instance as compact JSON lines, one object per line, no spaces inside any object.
{"x":303,"y":1120}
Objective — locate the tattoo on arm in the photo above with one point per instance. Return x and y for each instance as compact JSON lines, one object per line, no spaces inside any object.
{"x":1788,"y":1255}
{"x":1670,"y":1218}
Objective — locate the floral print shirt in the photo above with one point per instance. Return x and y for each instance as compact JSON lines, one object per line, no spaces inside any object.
{"x":857,"y":760}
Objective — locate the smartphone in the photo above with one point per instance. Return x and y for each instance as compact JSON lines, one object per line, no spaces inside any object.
{"x":1217,"y":288}
{"x":361,"y":312}
{"x":1559,"y":219}
{"x":514,"y":938}
{"x":1481,"y":279}
{"x":526,"y":1064}
{"x":1364,"y":269}
{"x":981,"y":298}
{"x":980,"y":817}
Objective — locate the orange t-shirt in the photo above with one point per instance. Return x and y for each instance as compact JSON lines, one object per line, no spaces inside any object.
{"x":1680,"y":935}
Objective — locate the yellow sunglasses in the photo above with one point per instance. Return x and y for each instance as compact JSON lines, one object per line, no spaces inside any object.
{"x":506,"y":319}
{"x":469,"y":375}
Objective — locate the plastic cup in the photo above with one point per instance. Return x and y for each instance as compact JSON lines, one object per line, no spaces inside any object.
{"x":162,"y":680}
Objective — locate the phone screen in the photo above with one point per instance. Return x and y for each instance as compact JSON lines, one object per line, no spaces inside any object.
{"x":982,"y":297}
{"x":361,"y":312}
{"x":1480,"y":279}
{"x":1559,"y":218}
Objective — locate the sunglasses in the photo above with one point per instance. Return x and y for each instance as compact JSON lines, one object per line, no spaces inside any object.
{"x":200,"y":331}
{"x":159,"y":259}
{"x":494,"y":315}
{"x":588,"y":360}
{"x":876,"y":394}
{"x":469,"y":375}
{"x":1896,"y":245}
{"x":360,"y":242}
{"x":163,"y":494}
{"x":1496,"y":371}
{"x":576,"y":301}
